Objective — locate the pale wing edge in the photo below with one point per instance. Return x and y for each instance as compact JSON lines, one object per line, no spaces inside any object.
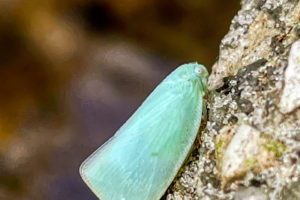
{"x":85,"y":164}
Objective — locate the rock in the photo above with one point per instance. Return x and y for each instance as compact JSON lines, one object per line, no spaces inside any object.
{"x":290,"y":98}
{"x":250,"y":193}
{"x":291,"y":192}
{"x":240,"y":154}
{"x":248,"y":141}
{"x":241,"y":149}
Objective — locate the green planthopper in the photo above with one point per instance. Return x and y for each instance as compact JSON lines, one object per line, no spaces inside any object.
{"x":143,"y":157}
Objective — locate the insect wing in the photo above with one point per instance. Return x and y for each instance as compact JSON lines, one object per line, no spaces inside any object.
{"x":140,"y":161}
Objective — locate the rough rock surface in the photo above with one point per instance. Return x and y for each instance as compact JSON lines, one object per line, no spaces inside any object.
{"x":250,"y":146}
{"x":290,"y":98}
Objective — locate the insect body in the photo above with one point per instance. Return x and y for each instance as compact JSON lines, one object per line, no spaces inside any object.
{"x":140,"y":161}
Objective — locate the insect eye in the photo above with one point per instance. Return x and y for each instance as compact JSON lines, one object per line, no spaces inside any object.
{"x":200,"y":72}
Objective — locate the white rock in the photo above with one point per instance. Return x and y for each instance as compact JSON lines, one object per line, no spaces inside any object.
{"x":250,"y":193}
{"x":290,"y":98}
{"x":243,"y":146}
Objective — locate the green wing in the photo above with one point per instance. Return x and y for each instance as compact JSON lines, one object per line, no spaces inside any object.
{"x":140,"y":161}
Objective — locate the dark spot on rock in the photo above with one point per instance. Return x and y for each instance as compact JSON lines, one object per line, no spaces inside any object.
{"x":282,"y":26}
{"x":210,"y":179}
{"x":252,"y":81}
{"x":293,"y":160}
{"x":297,"y":31}
{"x":264,"y":87}
{"x":233,"y":119}
{"x":195,"y":153}
{"x":268,"y":106}
{"x":260,"y":3}
{"x":252,"y":67}
{"x":270,"y":70}
{"x":256,"y":183}
{"x":229,"y":87}
{"x":228,"y":46}
{"x":215,"y":182}
{"x":276,"y":44}
{"x":275,"y":13}
{"x":218,"y":126}
{"x":236,"y":91}
{"x":293,"y":1}
{"x":236,"y":25}
{"x":298,"y":153}
{"x":245,"y":106}
{"x":225,"y":87}
{"x":297,"y":137}
{"x":236,"y":97}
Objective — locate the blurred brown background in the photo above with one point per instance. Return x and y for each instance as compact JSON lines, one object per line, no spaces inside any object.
{"x":73,"y":71}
